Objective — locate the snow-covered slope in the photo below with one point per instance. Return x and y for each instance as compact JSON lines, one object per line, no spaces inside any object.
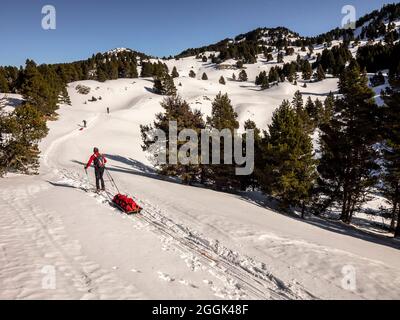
{"x":249,"y":101}
{"x":189,"y":243}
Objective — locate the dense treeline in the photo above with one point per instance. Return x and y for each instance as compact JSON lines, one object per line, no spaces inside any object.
{"x":342,"y":175}
{"x":21,"y":130}
{"x":247,"y":46}
{"x":331,"y":61}
{"x":390,"y":177}
{"x":373,"y":24}
{"x":100,"y":67}
{"x":380,"y":57}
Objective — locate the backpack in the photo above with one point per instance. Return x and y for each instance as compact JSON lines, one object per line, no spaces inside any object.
{"x":98,"y":161}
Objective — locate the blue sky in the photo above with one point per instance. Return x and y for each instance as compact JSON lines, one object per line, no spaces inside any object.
{"x":159,"y":28}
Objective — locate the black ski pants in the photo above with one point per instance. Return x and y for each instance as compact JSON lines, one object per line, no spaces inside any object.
{"x":99,"y":172}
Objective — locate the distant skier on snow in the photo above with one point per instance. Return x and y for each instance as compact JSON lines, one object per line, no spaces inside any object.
{"x":99,"y":161}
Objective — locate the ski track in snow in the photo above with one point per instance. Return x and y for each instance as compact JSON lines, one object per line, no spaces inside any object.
{"x":244,"y":277}
{"x":42,"y":238}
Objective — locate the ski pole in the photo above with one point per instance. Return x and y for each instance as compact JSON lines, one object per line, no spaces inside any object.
{"x":112,"y":180}
{"x":87,"y":178}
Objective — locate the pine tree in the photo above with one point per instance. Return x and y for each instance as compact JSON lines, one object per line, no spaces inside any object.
{"x":234,"y":77}
{"x":339,"y":66}
{"x":113,"y":69}
{"x":297,"y":102}
{"x":222,"y":117}
{"x":265,"y":84}
{"x":320,"y":74}
{"x":307,"y":70}
{"x":328,"y":109}
{"x":239,"y":64}
{"x":243,"y":76}
{"x":204,"y":76}
{"x":391,"y":156}
{"x":192,"y":74}
{"x":174,"y":73}
{"x":65,"y":96}
{"x":287,"y":169}
{"x":298,"y":105}
{"x":347,"y":153}
{"x":4,"y":88}
{"x":101,"y":74}
{"x":164,"y":85}
{"x":175,"y":109}
{"x":251,"y":180}
{"x":312,"y":112}
{"x":269,"y":57}
{"x":319,"y":112}
{"x":298,"y":60}
{"x":260,"y":78}
{"x":37,"y":92}
{"x":222,"y":80}
{"x":273,"y":75}
{"x":147,"y":70}
{"x":24,"y":127}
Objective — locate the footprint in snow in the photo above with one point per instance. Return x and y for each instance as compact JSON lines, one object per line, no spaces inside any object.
{"x":165,"y":277}
{"x":187,"y":283}
{"x":135,"y":271}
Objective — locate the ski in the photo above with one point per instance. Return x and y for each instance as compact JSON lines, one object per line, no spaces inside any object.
{"x":139,"y":210}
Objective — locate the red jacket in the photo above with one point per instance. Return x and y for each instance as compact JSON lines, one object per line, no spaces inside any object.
{"x":93,"y":157}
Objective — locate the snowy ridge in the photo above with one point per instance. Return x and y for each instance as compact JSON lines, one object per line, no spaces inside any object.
{"x":118,"y":50}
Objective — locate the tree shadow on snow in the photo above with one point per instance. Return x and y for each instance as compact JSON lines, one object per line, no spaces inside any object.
{"x":352,"y":231}
{"x":137,"y":168}
{"x":151,"y":90}
{"x":250,"y":87}
{"x":318,"y":94}
{"x":140,"y":169}
{"x":64,"y":185}
{"x":331,"y":225}
{"x":133,"y":163}
{"x":13,"y":102}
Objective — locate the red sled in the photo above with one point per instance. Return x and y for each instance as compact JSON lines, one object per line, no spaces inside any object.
{"x":126,"y":204}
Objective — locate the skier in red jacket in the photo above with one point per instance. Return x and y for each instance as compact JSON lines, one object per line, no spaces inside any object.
{"x":99,"y":161}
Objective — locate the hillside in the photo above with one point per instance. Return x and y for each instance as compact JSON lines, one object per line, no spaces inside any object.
{"x":187,"y":238}
{"x":190,"y":241}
